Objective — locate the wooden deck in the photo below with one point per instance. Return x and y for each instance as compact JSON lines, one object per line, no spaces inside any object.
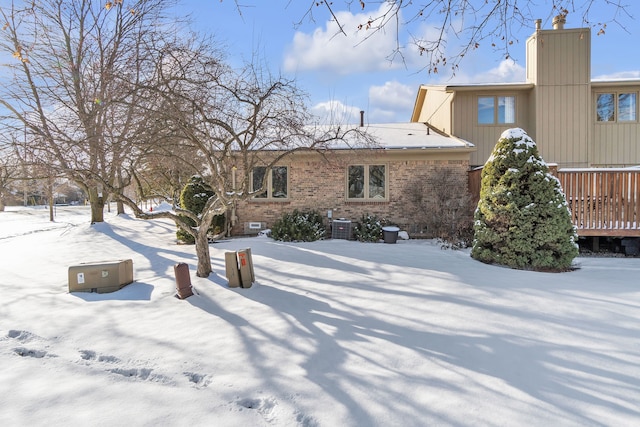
{"x":603,"y":202}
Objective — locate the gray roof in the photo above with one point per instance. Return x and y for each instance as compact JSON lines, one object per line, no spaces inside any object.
{"x":411,"y":135}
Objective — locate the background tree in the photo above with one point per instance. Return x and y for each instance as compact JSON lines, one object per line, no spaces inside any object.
{"x":9,"y":174}
{"x":75,"y":73}
{"x":522,"y":220}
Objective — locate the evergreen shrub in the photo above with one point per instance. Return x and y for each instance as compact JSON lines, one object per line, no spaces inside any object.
{"x":369,"y":229}
{"x":194,"y":197}
{"x":522,"y":219}
{"x":298,"y":226}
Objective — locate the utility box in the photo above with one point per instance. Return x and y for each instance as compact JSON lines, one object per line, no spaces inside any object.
{"x":100,"y":277}
{"x":239,"y":268}
{"x":247,"y":276}
{"x":232,"y":270}
{"x":183,"y":280}
{"x":341,"y":229}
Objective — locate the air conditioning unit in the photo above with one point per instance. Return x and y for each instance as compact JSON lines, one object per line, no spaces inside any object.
{"x":341,"y":229}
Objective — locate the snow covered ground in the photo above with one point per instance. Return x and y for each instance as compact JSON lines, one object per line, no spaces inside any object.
{"x":333,"y":333}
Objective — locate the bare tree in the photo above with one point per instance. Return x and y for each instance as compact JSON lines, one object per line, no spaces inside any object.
{"x":468,"y":23}
{"x":9,"y":173}
{"x":76,"y":67}
{"x":232,"y":121}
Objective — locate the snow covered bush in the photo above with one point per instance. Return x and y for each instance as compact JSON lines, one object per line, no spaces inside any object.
{"x":298,"y":227}
{"x":193,"y":197}
{"x":369,"y":229}
{"x":522,"y":219}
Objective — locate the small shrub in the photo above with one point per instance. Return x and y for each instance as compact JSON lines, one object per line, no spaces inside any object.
{"x":443,"y":205}
{"x":369,"y":229}
{"x":194,"y":197}
{"x":298,"y":227}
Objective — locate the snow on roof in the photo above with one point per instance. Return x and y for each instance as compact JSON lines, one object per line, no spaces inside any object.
{"x":410,"y":135}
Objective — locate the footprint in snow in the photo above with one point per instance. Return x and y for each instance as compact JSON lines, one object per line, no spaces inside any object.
{"x":199,"y":380}
{"x":25,"y":352}
{"x":266,"y":407}
{"x":22,"y":336}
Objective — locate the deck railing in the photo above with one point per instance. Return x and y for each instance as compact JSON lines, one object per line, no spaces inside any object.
{"x":603,"y":202}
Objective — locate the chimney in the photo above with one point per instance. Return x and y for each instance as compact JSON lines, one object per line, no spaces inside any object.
{"x":558,"y":22}
{"x":361,"y":118}
{"x":538,"y":24}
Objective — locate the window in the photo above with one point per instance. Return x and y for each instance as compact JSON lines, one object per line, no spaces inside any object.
{"x":276,"y":185}
{"x":367,"y":182}
{"x":627,"y":107}
{"x":617,"y":107}
{"x":496,"y":110}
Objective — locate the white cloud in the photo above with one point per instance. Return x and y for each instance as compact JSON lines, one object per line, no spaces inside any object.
{"x":508,"y":71}
{"x":336,"y":112}
{"x":329,"y":50}
{"x":378,"y":115}
{"x":391,"y":102}
{"x":392,"y":95}
{"x":622,"y":75}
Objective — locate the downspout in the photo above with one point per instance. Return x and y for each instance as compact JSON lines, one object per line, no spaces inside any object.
{"x":451,"y":115}
{"x":234,"y":219}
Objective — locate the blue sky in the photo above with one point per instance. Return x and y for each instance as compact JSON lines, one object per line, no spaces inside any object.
{"x":343,"y":75}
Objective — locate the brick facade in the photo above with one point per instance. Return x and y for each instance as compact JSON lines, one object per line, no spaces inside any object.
{"x":318,"y":182}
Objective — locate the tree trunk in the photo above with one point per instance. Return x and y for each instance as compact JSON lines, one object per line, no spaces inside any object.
{"x":96,"y":201}
{"x":119,"y":204}
{"x":202,"y":251}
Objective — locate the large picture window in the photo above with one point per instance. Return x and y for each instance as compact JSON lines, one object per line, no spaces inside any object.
{"x":367,"y":182}
{"x":617,"y":107}
{"x":496,"y":110}
{"x":277,"y":182}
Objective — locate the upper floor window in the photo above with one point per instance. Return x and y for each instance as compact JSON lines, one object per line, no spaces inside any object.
{"x":366,"y":182}
{"x":617,"y":107}
{"x":496,"y":110}
{"x":276,"y":185}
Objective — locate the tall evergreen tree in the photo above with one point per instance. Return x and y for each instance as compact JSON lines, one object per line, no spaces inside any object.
{"x":522,"y":220}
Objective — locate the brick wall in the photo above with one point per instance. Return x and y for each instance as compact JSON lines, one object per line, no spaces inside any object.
{"x":319,"y":183}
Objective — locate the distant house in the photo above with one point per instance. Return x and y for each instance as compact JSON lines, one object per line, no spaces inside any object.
{"x":575,"y":121}
{"x":346,"y":183}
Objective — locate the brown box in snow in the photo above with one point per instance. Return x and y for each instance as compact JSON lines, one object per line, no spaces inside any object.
{"x":231,"y":267}
{"x":247,"y":277}
{"x":100,"y":277}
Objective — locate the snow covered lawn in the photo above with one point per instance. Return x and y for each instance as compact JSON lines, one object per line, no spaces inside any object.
{"x":334,"y":333}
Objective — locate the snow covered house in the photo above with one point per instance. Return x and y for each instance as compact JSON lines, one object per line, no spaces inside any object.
{"x":589,"y":128}
{"x":344,"y":183}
